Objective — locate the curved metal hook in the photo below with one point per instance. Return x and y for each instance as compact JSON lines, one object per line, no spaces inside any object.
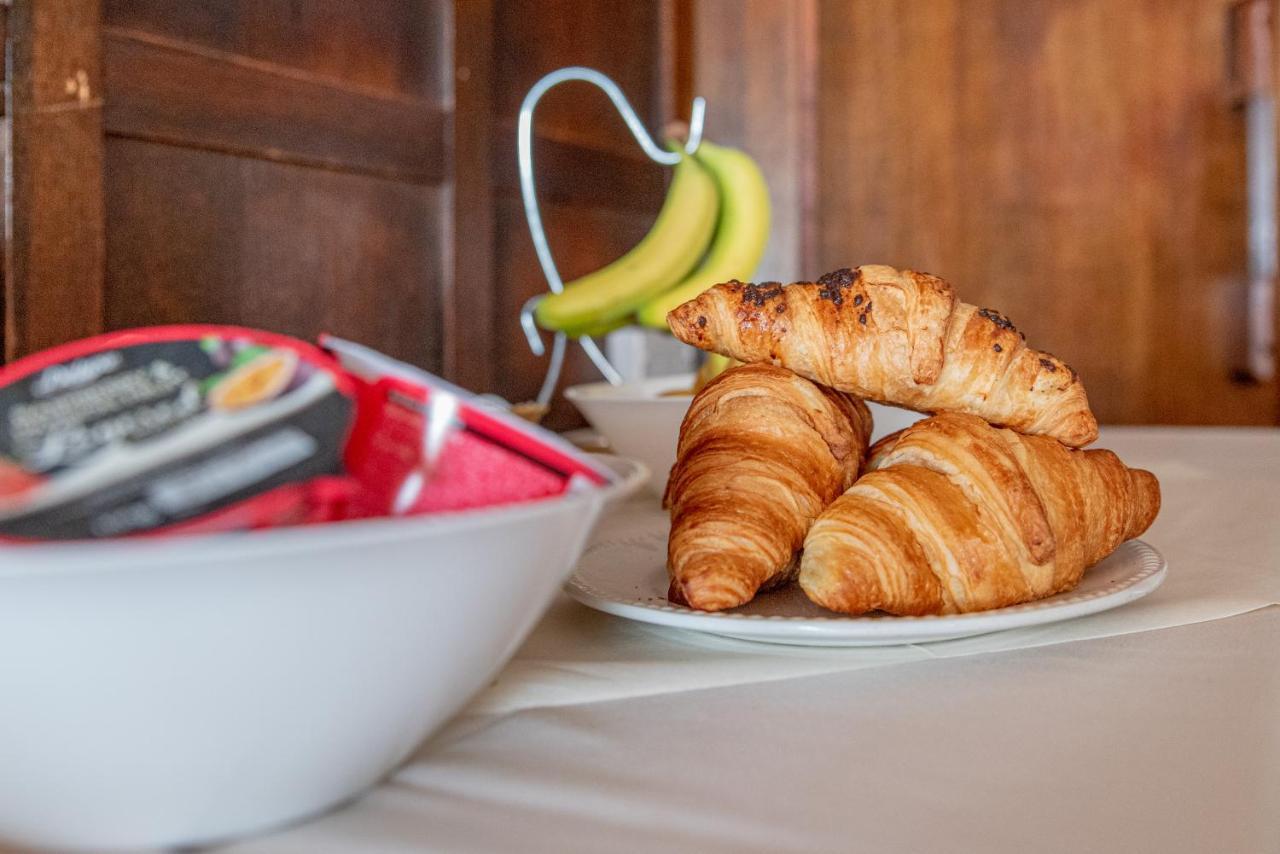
{"x":524,"y":154}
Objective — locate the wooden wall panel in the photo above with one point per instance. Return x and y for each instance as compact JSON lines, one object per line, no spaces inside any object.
{"x":54,"y":237}
{"x":1077,"y":165}
{"x":249,"y":241}
{"x":181,"y":94}
{"x":621,"y":39}
{"x":615,"y":178}
{"x":601,"y":193}
{"x":280,"y":165}
{"x":469,"y":280}
{"x":755,"y":61}
{"x":381,"y":45}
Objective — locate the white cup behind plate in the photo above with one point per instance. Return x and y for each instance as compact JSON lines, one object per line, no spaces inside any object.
{"x":641,"y":420}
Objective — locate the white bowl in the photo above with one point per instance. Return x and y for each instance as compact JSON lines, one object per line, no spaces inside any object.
{"x":638,"y":419}
{"x":183,"y":691}
{"x":641,"y":423}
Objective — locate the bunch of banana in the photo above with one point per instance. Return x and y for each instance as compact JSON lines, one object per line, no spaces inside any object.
{"x":742,"y":231}
{"x":713,"y":227}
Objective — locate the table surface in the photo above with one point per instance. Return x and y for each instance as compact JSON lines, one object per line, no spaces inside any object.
{"x":1163,"y":740}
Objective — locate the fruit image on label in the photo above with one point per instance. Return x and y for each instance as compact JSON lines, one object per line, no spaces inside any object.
{"x":260,"y":379}
{"x":15,"y":480}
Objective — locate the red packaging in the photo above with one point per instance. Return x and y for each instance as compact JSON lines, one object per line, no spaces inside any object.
{"x":196,"y":429}
{"x":486,"y":456}
{"x":169,"y":428}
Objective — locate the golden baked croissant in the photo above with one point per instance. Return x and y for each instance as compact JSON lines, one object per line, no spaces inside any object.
{"x":761,"y":453}
{"x":898,"y":337}
{"x":958,"y":516}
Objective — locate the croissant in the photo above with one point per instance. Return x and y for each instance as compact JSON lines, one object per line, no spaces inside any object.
{"x":898,"y":337}
{"x":959,"y":516}
{"x":761,"y":453}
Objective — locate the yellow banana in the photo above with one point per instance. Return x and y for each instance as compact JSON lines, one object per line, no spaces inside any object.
{"x":713,"y":366}
{"x":676,"y":243}
{"x":741,"y":233}
{"x":599,"y":330}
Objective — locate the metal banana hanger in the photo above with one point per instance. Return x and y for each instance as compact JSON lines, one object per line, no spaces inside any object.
{"x":524,"y":153}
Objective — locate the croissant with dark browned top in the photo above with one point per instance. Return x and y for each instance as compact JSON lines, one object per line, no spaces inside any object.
{"x":956,"y":515}
{"x":898,"y":337}
{"x":761,"y":453}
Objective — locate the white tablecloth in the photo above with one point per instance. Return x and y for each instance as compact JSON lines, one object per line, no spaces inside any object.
{"x":1153,"y":728}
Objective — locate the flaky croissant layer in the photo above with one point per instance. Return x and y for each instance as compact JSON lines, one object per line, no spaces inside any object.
{"x":957,"y":516}
{"x":898,"y":337}
{"x":761,"y":453}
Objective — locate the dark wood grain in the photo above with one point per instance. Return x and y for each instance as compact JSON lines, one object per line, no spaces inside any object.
{"x":6,"y":140}
{"x":280,"y":165}
{"x":54,"y":240}
{"x":1275,"y":86}
{"x":296,"y":250}
{"x":576,"y":172}
{"x":622,"y":39}
{"x":599,"y":194}
{"x":603,"y":192}
{"x":676,"y":69}
{"x":184,"y":94}
{"x":755,"y":61}
{"x":4,"y":66}
{"x":1075,"y":163}
{"x":469,"y":285}
{"x":381,"y":46}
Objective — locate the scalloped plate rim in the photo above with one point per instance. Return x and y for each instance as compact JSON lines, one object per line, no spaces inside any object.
{"x":1149,"y":569}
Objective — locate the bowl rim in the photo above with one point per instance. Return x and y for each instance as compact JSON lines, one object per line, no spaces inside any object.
{"x":96,"y":556}
{"x":634,"y":391}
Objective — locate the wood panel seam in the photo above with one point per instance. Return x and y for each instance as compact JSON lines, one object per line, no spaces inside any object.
{"x":209,"y":101}
{"x":280,"y":156}
{"x":65,"y":107}
{"x":276,"y":69}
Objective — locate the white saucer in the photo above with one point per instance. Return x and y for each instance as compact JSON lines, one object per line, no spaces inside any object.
{"x":624,"y":573}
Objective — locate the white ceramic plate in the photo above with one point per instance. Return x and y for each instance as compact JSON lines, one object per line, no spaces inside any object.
{"x":624,"y":573}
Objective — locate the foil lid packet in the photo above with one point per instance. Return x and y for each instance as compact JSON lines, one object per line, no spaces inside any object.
{"x":423,"y":445}
{"x":197,"y":429}
{"x":145,"y":430}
